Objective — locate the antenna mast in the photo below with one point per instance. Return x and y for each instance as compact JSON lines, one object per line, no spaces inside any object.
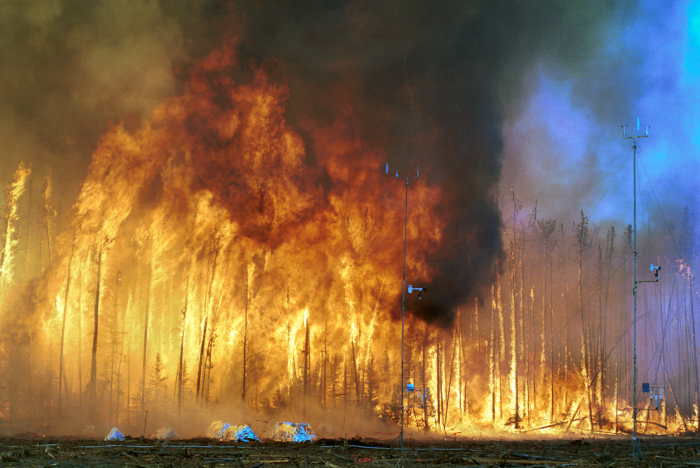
{"x":403,"y":301}
{"x":636,"y":450}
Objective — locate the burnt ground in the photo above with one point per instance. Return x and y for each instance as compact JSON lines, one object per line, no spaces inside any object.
{"x":661,"y":451}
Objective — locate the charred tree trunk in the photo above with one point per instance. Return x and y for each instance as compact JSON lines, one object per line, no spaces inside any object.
{"x":93,"y":364}
{"x":201,"y":362}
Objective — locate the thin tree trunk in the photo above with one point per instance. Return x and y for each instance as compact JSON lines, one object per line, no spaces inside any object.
{"x":245,"y":332}
{"x":449,"y":384}
{"x":493,"y":357}
{"x":182,"y":349}
{"x":63,"y":326}
{"x":439,"y":381}
{"x":426,"y":426}
{"x":80,"y":341}
{"x":696,"y":388}
{"x":358,"y":393}
{"x":93,"y":365}
{"x":325,"y":359}
{"x":145,"y":335}
{"x":501,"y":340}
{"x":201,"y":361}
{"x":115,"y":338}
{"x":25,"y":273}
{"x":47,"y":213}
{"x":582,"y":243}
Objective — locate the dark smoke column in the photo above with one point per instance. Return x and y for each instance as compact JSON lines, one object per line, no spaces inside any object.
{"x":424,"y":81}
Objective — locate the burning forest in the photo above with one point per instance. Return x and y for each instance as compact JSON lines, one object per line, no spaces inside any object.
{"x":239,"y":251}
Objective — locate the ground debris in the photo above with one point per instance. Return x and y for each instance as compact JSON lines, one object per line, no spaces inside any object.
{"x":611,"y":452}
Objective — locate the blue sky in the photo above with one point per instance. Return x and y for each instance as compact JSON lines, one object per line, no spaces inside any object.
{"x":564,"y":143}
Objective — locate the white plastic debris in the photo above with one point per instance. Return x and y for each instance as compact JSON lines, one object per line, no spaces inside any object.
{"x":164,"y":433}
{"x":293,"y":432}
{"x":114,"y":434}
{"x":216,"y":430}
{"x":239,"y":434}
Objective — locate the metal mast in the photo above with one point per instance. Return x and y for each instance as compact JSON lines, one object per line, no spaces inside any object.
{"x":636,"y":452}
{"x":403,"y":301}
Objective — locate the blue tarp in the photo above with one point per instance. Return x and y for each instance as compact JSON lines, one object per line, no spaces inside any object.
{"x":293,"y":432}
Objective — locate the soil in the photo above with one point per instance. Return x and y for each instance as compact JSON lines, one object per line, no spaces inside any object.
{"x":661,"y":451}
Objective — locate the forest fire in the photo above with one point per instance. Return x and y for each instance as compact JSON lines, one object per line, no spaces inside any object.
{"x":211,"y":265}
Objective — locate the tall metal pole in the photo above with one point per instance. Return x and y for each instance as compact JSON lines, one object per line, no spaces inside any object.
{"x":635,"y":444}
{"x":403,"y":305}
{"x":403,"y":301}
{"x":636,"y":451}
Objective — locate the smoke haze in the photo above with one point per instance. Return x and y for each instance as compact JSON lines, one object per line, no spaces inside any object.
{"x":174,"y":97}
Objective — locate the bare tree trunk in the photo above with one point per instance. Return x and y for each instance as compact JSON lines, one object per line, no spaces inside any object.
{"x":513,"y":378}
{"x":493,"y":355}
{"x":426,"y":426}
{"x":439,"y":380}
{"x":123,"y":333}
{"x":201,"y":361}
{"x":501,"y":340}
{"x":93,"y":365}
{"x":63,"y":326}
{"x":617,"y":411}
{"x":80,"y":341}
{"x":307,"y":363}
{"x":696,"y":386}
{"x":182,"y":348}
{"x":583,"y":242}
{"x":145,"y":335}
{"x":476,"y":324}
{"x":48,"y":212}
{"x":115,"y":338}
{"x":245,"y":331}
{"x":463,"y":376}
{"x":323,"y":372}
{"x":25,"y":273}
{"x":675,"y":403}
{"x":358,"y":392}
{"x":449,"y":382}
